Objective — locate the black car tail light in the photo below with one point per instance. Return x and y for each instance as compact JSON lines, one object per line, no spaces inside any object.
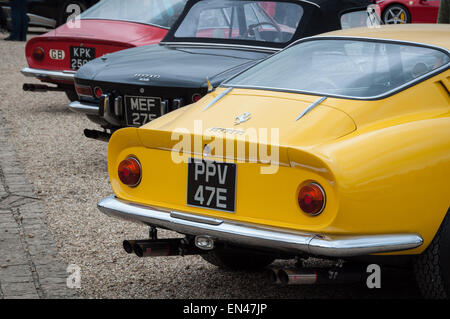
{"x":83,"y":90}
{"x":98,"y":92}
{"x":196,"y":97}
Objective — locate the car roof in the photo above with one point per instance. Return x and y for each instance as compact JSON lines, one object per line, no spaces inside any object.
{"x":431,"y":34}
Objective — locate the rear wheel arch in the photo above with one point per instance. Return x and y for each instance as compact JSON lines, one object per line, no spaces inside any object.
{"x":394,"y":158}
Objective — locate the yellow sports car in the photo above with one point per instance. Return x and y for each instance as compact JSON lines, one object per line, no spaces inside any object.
{"x":336,"y":147}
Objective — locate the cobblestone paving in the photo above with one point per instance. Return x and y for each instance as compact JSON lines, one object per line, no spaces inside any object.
{"x":29,"y":267}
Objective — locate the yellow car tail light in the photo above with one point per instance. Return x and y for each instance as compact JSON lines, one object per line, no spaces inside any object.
{"x":130,"y":172}
{"x":311,"y":199}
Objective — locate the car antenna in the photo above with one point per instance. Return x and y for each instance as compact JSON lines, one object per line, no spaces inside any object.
{"x":210,"y":87}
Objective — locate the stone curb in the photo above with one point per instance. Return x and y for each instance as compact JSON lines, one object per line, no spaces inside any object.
{"x":29,"y":265}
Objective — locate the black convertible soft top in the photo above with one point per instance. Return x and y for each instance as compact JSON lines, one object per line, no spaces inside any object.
{"x":319,"y":16}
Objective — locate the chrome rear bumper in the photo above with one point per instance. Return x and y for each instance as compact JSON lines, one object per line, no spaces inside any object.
{"x":50,"y":75}
{"x":257,"y":236}
{"x":85,"y":108}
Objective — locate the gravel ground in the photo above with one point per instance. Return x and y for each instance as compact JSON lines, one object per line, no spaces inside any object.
{"x":69,"y":174}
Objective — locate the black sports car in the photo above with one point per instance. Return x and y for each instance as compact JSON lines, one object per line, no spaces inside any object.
{"x":49,"y":13}
{"x":211,"y":41}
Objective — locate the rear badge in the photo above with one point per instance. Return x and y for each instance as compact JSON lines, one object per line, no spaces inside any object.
{"x":207,"y":150}
{"x":242,"y":118}
{"x":146,"y":77}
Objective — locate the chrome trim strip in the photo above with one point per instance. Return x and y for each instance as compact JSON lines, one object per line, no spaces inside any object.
{"x":79,"y":107}
{"x":198,"y":219}
{"x":218,"y":98}
{"x":47,"y":74}
{"x":206,"y":45}
{"x":312,"y":3}
{"x":311,"y":107}
{"x":294,"y":242}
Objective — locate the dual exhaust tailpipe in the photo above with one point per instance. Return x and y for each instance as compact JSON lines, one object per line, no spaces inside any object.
{"x":315,"y":276}
{"x":31,"y":87}
{"x":160,"y":247}
{"x":97,"y":135}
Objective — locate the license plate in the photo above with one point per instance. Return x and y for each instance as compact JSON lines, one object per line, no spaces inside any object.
{"x":79,"y":56}
{"x":141,"y":109}
{"x":211,"y":184}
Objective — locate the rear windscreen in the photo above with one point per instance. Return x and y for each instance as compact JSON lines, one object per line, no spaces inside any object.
{"x":266,"y":21}
{"x":349,"y":68}
{"x":154,"y":12}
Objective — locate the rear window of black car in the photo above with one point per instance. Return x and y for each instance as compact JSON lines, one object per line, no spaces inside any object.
{"x":162,"y":13}
{"x":265,"y":21}
{"x":352,"y":68}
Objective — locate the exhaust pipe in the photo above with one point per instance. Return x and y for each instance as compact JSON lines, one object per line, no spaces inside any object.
{"x":320,"y":276}
{"x":30,"y":87}
{"x":297,"y":277}
{"x":156,"y":248}
{"x":129,"y":244}
{"x":272,"y":274}
{"x":160,"y":247}
{"x":97,"y":135}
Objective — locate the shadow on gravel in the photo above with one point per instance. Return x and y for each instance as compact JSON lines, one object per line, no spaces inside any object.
{"x":54,"y":109}
{"x":97,"y":162}
{"x":396,"y":284}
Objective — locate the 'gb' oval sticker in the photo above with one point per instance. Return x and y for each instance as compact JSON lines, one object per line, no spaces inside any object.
{"x":57,"y":54}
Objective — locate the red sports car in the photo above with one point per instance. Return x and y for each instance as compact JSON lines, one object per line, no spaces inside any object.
{"x":409,"y":11}
{"x":108,"y":26}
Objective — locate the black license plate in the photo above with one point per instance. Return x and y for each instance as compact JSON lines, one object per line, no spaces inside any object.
{"x":211,"y":184}
{"x":142,"y":109}
{"x":79,"y":56}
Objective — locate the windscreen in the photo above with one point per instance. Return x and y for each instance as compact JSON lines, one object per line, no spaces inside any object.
{"x":242,"y":20}
{"x":346,"y":68}
{"x":154,"y":12}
